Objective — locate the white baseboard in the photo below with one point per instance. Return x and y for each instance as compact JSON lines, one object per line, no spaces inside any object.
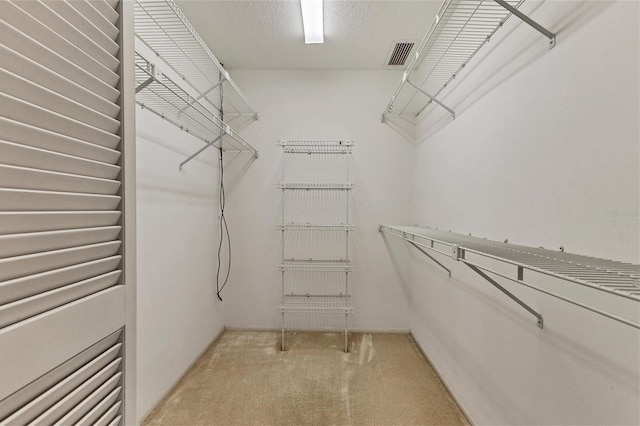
{"x":141,"y":419}
{"x":323,"y":330}
{"x":451,"y":392}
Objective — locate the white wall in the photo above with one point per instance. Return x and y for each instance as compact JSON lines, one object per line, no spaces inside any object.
{"x":552,"y":138}
{"x":178,"y":312}
{"x":545,"y":152}
{"x":318,"y":105}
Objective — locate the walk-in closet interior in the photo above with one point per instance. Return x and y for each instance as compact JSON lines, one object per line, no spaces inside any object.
{"x":319,"y":212}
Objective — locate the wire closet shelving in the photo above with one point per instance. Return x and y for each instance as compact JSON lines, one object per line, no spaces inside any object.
{"x":315,"y":227}
{"x":510,"y":261}
{"x":337,"y":270}
{"x":457,"y":33}
{"x":316,"y":147}
{"x":333,"y":186}
{"x":180,"y":79}
{"x":314,"y":265}
{"x":318,"y":303}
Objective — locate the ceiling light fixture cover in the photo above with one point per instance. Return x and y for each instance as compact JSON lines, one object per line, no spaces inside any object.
{"x":312,"y":21}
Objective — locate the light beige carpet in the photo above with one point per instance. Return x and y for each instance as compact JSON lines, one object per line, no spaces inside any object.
{"x":244,"y":379}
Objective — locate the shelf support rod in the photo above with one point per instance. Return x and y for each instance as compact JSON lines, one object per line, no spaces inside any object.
{"x":145,"y":84}
{"x":195,"y":154}
{"x":202,"y":95}
{"x":421,"y":250}
{"x":551,"y":36}
{"x":540,"y":322}
{"x":433,"y":98}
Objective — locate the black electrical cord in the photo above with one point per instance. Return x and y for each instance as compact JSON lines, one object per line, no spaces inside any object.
{"x":224,"y":229}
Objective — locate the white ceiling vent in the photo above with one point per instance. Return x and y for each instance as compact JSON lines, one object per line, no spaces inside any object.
{"x":400,"y":53}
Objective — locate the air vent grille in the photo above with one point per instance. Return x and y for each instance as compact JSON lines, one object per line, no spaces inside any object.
{"x":400,"y":53}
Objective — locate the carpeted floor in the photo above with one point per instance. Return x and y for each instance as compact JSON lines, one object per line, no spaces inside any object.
{"x":244,"y":379}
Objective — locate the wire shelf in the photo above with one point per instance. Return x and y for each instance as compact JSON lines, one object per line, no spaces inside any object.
{"x":314,"y":227}
{"x":608,"y":276}
{"x":164,"y":28}
{"x":316,"y":186}
{"x":168,"y":100}
{"x":331,"y":304}
{"x":179,"y":79}
{"x":317,"y":147}
{"x":312,"y":265}
{"x":459,"y":30}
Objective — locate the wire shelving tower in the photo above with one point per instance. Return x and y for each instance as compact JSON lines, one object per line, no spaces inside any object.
{"x":315,"y":230}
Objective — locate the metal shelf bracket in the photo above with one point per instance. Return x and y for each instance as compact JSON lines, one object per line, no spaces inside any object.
{"x":145,"y":84}
{"x":551,"y":36}
{"x":540,"y":321}
{"x":429,"y":256}
{"x":156,"y":75}
{"x":195,"y":154}
{"x":432,"y":98}
{"x":203,"y":95}
{"x":457,"y":253}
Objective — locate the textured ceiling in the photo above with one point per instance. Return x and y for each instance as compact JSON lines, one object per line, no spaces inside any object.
{"x":268,"y":34}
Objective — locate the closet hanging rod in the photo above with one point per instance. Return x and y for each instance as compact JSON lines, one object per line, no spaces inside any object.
{"x":608,"y":276}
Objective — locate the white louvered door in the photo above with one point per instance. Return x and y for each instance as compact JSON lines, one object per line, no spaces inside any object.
{"x":62,"y":287}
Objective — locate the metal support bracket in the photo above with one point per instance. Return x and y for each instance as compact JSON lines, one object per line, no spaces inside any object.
{"x":156,"y":75}
{"x":202,"y":95}
{"x":551,"y":36}
{"x":456,"y":252}
{"x":195,"y":154}
{"x":433,"y":98}
{"x":145,"y":84}
{"x":430,"y":257}
{"x":477,"y":270}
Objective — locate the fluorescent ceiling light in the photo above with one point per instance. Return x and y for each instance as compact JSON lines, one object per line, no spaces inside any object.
{"x":312,"y":20}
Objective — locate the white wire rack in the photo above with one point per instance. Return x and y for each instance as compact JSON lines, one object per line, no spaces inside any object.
{"x":168,"y":100}
{"x":315,"y":265}
{"x":316,"y":186}
{"x":459,"y":30}
{"x":332,"y":293}
{"x":334,"y":304}
{"x":608,"y":276}
{"x":317,"y":147}
{"x":181,"y":80}
{"x":314,"y":227}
